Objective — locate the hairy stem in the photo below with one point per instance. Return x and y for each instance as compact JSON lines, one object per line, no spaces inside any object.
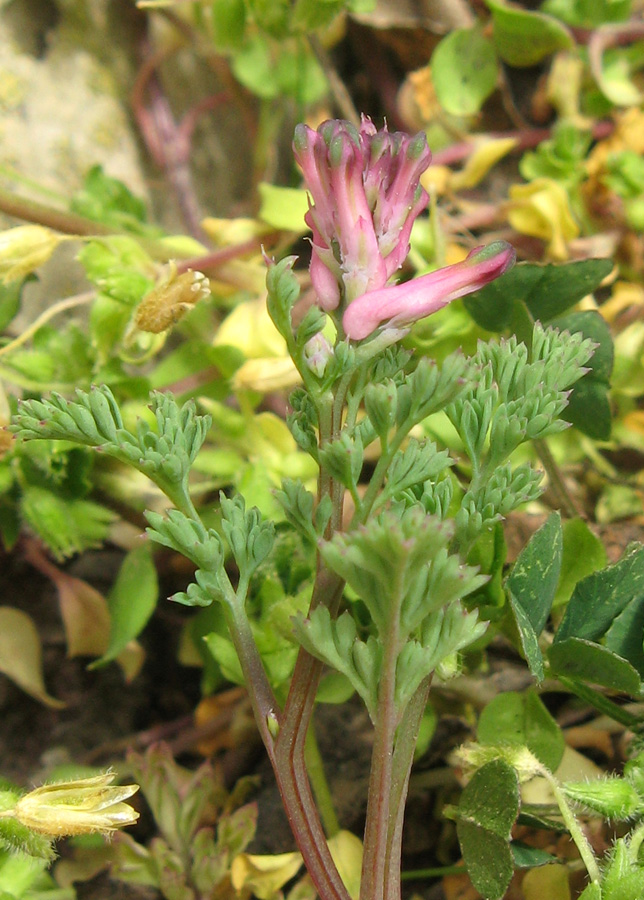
{"x":72,"y":224}
{"x":573,"y":826}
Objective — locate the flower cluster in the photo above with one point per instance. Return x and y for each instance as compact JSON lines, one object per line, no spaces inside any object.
{"x":365,"y":194}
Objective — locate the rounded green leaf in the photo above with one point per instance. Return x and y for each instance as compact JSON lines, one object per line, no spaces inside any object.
{"x":522,"y":720}
{"x":525,"y":38}
{"x":488,"y":809}
{"x":464,"y":70}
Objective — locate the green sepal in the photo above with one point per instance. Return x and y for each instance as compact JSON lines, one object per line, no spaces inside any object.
{"x":613,"y":798}
{"x":623,"y":878}
{"x":17,"y":838}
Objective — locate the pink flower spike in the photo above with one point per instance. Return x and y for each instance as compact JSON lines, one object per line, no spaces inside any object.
{"x":401,"y":304}
{"x":324,"y":280}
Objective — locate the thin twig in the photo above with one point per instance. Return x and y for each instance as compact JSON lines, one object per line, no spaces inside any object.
{"x":339,"y":92}
{"x":556,"y":481}
{"x":54,"y":310}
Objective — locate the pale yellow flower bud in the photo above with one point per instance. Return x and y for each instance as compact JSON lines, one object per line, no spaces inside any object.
{"x":24,"y":248}
{"x":82,"y":806}
{"x":473,"y":756}
{"x":169,"y":299}
{"x":265,"y":375}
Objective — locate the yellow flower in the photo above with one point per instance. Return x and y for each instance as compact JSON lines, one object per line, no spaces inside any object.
{"x":542,"y":209}
{"x":170,"y":298}
{"x":82,"y":806}
{"x":24,"y":248}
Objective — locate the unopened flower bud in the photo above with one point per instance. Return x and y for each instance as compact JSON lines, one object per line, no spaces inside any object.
{"x":24,"y":248}
{"x":525,"y":763}
{"x":82,"y":806}
{"x":317,"y":353}
{"x":613,"y":798}
{"x":380,"y":401}
{"x":169,"y":299}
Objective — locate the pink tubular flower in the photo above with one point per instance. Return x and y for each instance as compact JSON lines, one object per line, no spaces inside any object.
{"x":365,"y":193}
{"x":398,"y":305}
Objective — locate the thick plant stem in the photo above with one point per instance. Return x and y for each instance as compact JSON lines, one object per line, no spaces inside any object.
{"x":290,"y":765}
{"x":319,"y":784}
{"x":401,"y":770}
{"x":265,"y":707}
{"x":285,"y":738}
{"x":380,"y":812}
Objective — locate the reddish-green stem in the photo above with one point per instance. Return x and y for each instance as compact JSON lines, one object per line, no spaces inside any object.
{"x":406,"y":739}
{"x":376,"y":859}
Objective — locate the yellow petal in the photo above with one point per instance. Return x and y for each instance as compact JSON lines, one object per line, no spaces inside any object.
{"x":541,"y":209}
{"x":346,"y":850}
{"x":487,"y":154}
{"x":626,"y":294}
{"x":265,"y":375}
{"x":25,"y":248}
{"x":437,"y":179}
{"x":80,"y":806}
{"x":225,"y":232}
{"x":249,"y":328}
{"x":263,"y":876}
